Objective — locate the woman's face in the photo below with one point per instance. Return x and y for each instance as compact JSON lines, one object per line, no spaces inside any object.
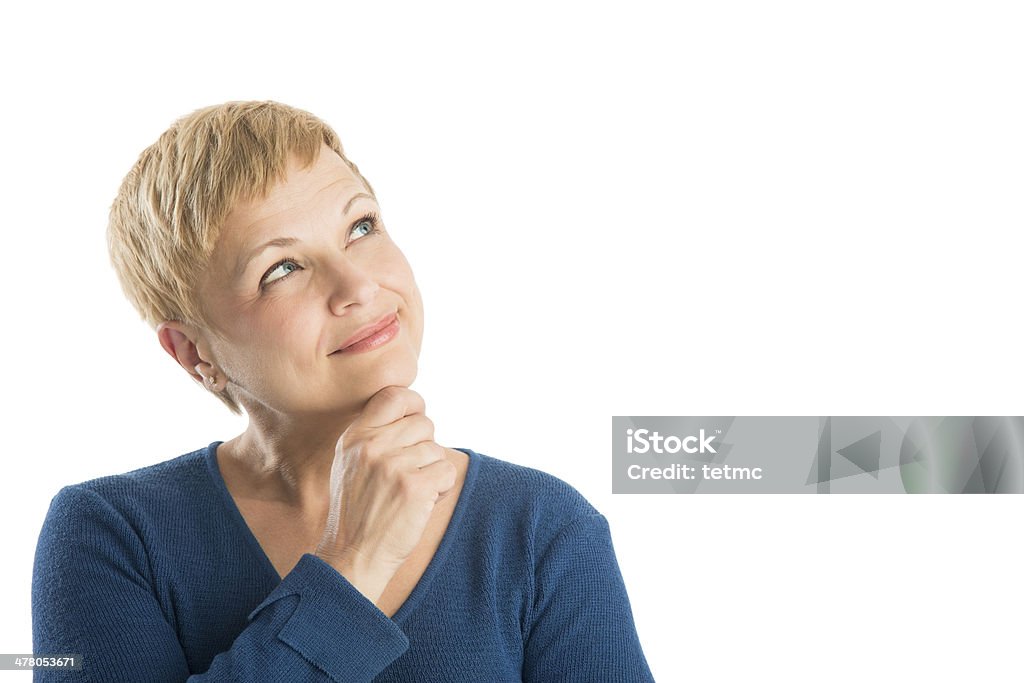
{"x":280,"y":312}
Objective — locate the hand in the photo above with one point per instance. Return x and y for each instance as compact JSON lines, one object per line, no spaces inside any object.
{"x":388,"y":474}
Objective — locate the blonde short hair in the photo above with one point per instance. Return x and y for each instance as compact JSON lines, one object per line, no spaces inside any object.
{"x":169,"y":210}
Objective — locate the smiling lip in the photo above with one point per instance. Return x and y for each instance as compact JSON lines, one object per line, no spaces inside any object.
{"x":372,"y":335}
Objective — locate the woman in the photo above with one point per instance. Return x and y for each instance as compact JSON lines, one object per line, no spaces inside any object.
{"x":334,"y":539}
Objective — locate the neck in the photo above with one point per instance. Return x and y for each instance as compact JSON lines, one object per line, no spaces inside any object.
{"x":285,"y":460}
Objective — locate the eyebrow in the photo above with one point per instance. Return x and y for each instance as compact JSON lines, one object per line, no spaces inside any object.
{"x":244,"y":258}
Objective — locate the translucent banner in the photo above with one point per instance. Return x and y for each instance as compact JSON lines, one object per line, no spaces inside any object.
{"x":663,"y":454}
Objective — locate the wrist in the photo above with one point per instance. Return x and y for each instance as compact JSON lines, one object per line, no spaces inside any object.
{"x":368,"y":577}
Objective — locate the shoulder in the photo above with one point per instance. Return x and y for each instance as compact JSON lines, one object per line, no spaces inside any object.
{"x":524,"y":485}
{"x":163,"y":484}
{"x":537,"y":504}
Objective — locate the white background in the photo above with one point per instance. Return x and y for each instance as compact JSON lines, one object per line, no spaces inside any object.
{"x":716,"y":208}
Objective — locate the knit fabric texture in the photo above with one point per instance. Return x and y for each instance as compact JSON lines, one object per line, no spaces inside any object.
{"x":154,"y":575}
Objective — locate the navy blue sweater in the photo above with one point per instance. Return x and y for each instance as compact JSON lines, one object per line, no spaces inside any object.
{"x":153,"y":575}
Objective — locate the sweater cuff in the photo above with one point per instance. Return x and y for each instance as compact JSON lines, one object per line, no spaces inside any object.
{"x":335,"y":626}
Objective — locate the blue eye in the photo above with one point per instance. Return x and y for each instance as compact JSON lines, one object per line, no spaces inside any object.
{"x":371,"y":225}
{"x":273,"y":268}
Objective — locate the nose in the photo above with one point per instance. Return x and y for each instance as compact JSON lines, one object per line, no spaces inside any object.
{"x":349,"y":283}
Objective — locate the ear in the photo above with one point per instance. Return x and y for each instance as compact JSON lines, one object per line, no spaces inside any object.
{"x":180,"y":342}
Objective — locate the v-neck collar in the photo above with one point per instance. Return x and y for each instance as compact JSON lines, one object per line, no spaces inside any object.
{"x":429,"y":574}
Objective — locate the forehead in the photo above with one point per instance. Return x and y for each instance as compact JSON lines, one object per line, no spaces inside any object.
{"x":327,"y":180}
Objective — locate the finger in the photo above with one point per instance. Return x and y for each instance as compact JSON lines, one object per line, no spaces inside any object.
{"x":441,"y":475}
{"x":407,"y":431}
{"x":390,"y":404}
{"x":418,"y":456}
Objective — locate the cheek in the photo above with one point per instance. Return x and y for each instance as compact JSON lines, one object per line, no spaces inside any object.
{"x":405,"y":285}
{"x":396,"y":274}
{"x":284,"y":333}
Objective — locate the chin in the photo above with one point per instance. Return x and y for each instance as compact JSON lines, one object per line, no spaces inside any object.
{"x":399,"y":373}
{"x":395,"y":369}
